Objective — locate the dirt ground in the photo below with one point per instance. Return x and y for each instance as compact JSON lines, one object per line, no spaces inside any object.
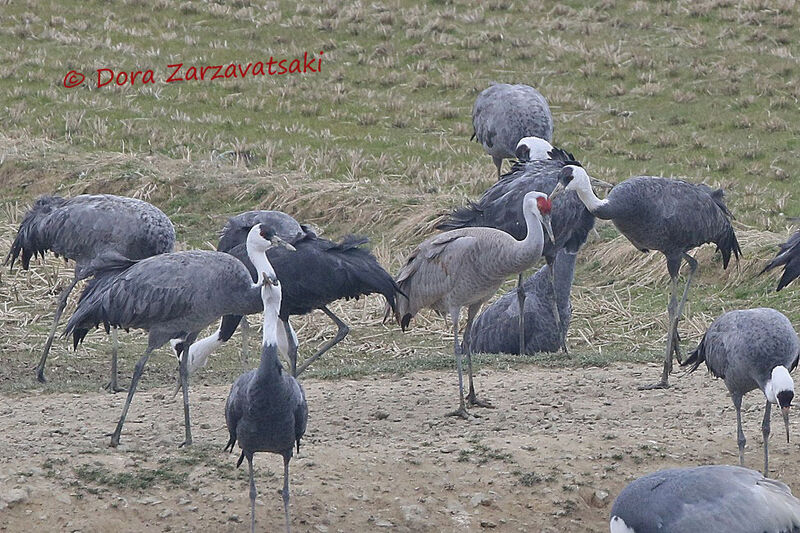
{"x":378,"y":454}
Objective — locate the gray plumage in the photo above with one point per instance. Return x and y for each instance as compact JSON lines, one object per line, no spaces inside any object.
{"x":318,"y":272}
{"x":495,"y":330}
{"x":503,"y":114}
{"x":789,"y":257}
{"x":94,"y":231}
{"x":172,"y":296}
{"x":238,"y":226}
{"x":464,"y":268}
{"x":709,"y":499}
{"x":668,"y":215}
{"x":501,"y":207}
{"x":751,"y":349}
{"x":266,"y":410}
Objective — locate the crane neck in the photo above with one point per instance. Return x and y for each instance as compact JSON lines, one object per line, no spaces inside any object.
{"x":270,"y":366}
{"x":564,"y":272}
{"x":258,"y":256}
{"x":594,"y":204}
{"x":533,"y":243}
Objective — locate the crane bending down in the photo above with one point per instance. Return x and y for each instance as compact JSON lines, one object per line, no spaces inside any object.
{"x":668,"y":215}
{"x":464,"y":268}
{"x":172,"y":296}
{"x":266,"y":410}
{"x":752,"y":349}
{"x":317,"y":273}
{"x":94,"y":231}
{"x":500,"y":207}
{"x":495,"y":329}
{"x":503,"y":114}
{"x":789,"y":256}
{"x":711,"y":499}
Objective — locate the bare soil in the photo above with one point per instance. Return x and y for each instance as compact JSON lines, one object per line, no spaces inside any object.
{"x":378,"y":456}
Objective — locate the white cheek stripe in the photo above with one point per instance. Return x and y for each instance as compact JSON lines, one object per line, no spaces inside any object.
{"x":618,"y":525}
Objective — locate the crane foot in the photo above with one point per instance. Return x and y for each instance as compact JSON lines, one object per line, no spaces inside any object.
{"x":474,"y":400}
{"x":654,"y":386}
{"x":113,"y":388}
{"x":461,"y":411}
{"x":40,"y":375}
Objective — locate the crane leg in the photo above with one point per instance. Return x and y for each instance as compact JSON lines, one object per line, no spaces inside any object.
{"x":137,"y":374}
{"x":62,"y":303}
{"x":184,"y":375}
{"x":253,"y":495}
{"x":285,"y":494}
{"x":671,"y":311}
{"x":498,"y":162}
{"x":521,"y":302}
{"x":462,"y":409}
{"x":692,"y":262}
{"x":472,"y":398}
{"x":562,"y":334}
{"x":741,"y":440}
{"x":291,"y":346}
{"x":113,"y":386}
{"x":765,"y":433}
{"x":245,"y":343}
{"x":341,"y":334}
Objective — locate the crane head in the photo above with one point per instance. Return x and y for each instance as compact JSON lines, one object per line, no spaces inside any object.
{"x":575,"y":178}
{"x":533,"y":149}
{"x":268,"y":234}
{"x":780,"y":390}
{"x":539,"y":204}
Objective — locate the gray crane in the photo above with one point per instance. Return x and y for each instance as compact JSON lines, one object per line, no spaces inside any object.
{"x":503,"y":114}
{"x":172,"y":296}
{"x":234,"y":236}
{"x":500,"y":207}
{"x":711,"y":499}
{"x":495,"y":329}
{"x":92,"y":230}
{"x":668,"y":215}
{"x":464,"y":268}
{"x":789,"y":256}
{"x":317,"y":273}
{"x":266,"y":409}
{"x":752,"y":349}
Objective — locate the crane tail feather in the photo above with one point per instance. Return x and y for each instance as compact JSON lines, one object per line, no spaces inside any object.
{"x":696,"y":357}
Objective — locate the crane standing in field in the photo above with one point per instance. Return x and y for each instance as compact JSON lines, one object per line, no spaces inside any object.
{"x":92,"y":230}
{"x":172,"y":296}
{"x":789,"y":255}
{"x":266,"y":410}
{"x":668,"y":215}
{"x":464,"y":268}
{"x":500,"y":207}
{"x":503,"y":114}
{"x":752,"y":349}
{"x":711,"y":499}
{"x":317,"y":273}
{"x":495,"y":329}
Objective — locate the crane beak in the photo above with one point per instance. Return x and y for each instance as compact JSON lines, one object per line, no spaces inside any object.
{"x":549,"y":227}
{"x":269,"y":278}
{"x":277,"y":241}
{"x":600,"y":184}
{"x":557,"y":191}
{"x":785,"y":413}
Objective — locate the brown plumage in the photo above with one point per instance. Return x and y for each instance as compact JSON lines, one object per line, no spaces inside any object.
{"x":464,"y":268}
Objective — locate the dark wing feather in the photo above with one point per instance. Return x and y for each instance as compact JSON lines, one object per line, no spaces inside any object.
{"x":501,"y":207}
{"x":789,"y":255}
{"x":320,"y":271}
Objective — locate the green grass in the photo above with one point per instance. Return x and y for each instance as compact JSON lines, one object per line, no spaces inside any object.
{"x":378,"y":143}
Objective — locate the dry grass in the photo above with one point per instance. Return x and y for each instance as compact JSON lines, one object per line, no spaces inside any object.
{"x":377,"y":143}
